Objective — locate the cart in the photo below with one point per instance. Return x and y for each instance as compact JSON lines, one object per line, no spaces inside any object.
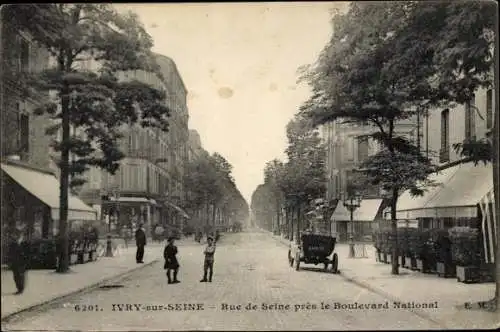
{"x":314,"y":249}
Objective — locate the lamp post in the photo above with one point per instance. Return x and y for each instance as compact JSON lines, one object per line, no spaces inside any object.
{"x":109,"y":247}
{"x":351,"y":201}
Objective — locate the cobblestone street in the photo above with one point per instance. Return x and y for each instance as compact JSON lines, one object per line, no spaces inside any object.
{"x":249,"y":268}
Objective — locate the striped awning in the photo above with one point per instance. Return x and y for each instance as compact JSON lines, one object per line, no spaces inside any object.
{"x":458,"y":192}
{"x":178,"y":209}
{"x":367,"y":211}
{"x":489,"y":226}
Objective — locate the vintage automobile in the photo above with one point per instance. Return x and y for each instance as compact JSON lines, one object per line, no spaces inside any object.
{"x":314,"y":249}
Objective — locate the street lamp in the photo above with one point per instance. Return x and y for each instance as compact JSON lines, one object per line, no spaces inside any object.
{"x":351,"y":201}
{"x":109,"y":247}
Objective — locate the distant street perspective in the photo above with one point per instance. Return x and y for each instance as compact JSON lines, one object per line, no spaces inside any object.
{"x":264,"y":166}
{"x":250,"y":267}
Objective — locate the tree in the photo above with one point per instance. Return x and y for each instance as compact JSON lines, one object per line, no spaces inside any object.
{"x":466,"y":59}
{"x":452,"y":58}
{"x":97,"y":103}
{"x":372,"y":73}
{"x":273,"y":176}
{"x":263,"y":211}
{"x":209,"y":181}
{"x":303,"y":175}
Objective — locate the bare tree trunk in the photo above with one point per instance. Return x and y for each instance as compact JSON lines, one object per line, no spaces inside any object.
{"x":214,"y":212}
{"x":299,"y":211}
{"x":63,"y":265}
{"x":394,"y":230}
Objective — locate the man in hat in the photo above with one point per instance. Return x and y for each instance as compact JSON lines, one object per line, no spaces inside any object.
{"x":140,"y":241}
{"x":209,"y":260}
{"x":171,"y":263}
{"x":18,"y":258}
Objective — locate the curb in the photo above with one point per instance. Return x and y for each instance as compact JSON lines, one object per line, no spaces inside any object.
{"x":419,"y":313}
{"x":47,"y":303}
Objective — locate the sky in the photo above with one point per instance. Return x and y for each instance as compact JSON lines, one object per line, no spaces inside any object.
{"x":239,"y":63}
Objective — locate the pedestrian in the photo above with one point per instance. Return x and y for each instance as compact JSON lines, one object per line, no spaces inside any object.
{"x":171,"y":263}
{"x":140,"y":241}
{"x":159,"y":233}
{"x":18,"y":258}
{"x":125,"y":235}
{"x":209,"y":260}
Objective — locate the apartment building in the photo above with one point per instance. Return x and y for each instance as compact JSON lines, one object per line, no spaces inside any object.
{"x":348,"y":146}
{"x":464,"y":196}
{"x":147,"y":188}
{"x":30,"y":187}
{"x":195,"y":147}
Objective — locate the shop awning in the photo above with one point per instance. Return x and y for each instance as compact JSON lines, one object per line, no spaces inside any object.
{"x":178,"y":209}
{"x":45,"y":187}
{"x":367,"y":211}
{"x":408,"y":206}
{"x":125,"y":199}
{"x":489,"y":226}
{"x":461,"y":189}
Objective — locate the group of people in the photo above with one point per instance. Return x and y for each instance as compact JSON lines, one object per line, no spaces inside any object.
{"x":170,"y":255}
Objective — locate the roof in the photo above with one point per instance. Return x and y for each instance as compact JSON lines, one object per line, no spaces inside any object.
{"x":174,"y":66}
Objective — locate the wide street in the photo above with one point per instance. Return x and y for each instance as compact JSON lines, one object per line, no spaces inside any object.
{"x":249,"y":268}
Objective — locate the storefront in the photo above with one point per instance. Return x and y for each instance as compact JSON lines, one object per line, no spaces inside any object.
{"x":30,"y":200}
{"x":129,"y":211}
{"x":462,"y":195}
{"x":364,"y":220}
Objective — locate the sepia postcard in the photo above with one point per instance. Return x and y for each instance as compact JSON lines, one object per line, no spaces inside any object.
{"x":267,"y":166}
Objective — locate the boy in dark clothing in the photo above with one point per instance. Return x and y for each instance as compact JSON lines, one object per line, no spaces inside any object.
{"x":140,"y":241}
{"x":18,"y":258}
{"x":209,"y":260}
{"x":171,"y":262}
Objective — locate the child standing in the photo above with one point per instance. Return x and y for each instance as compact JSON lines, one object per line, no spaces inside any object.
{"x":209,"y":260}
{"x":171,"y":263}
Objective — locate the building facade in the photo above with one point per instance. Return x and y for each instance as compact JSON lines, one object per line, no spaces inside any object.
{"x":30,"y":187}
{"x":148,"y":187}
{"x":464,"y":195}
{"x":195,"y":148}
{"x":348,"y":146}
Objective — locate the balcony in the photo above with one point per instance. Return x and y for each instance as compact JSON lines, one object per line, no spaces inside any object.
{"x":140,"y":153}
{"x":444,"y":155}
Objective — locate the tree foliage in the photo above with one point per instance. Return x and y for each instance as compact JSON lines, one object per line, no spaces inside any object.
{"x":208,"y":181}
{"x":95,"y":103}
{"x":298,"y":181}
{"x":98,"y":103}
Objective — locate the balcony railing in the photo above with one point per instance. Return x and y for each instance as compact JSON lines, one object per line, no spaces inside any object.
{"x":444,"y":155}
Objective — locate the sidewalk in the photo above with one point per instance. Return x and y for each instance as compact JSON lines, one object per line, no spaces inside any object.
{"x":43,"y":286}
{"x":413,"y":286}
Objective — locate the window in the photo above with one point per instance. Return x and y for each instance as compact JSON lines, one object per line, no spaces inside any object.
{"x":362,"y":149}
{"x":445,"y":129}
{"x":24,"y":132}
{"x":348,"y":148}
{"x":24,"y":55}
{"x":470,"y":121}
{"x":489,"y":109}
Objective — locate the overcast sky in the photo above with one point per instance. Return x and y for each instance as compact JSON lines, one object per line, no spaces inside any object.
{"x":239,"y":63}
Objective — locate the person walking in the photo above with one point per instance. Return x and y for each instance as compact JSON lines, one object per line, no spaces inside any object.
{"x":171,"y":263}
{"x":209,"y":260}
{"x":18,"y":258}
{"x":140,"y":241}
